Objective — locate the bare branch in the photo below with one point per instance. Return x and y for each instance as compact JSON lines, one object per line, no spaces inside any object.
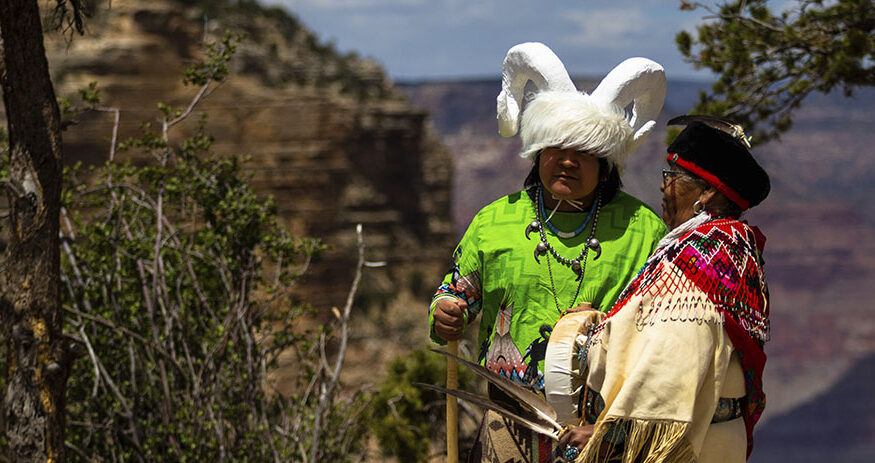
{"x":113,"y":143}
{"x":126,"y":332}
{"x":328,"y":392}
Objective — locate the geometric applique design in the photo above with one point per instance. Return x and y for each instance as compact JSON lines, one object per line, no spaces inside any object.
{"x":503,"y":356}
{"x":721,"y":260}
{"x":467,"y":287}
{"x":535,"y":354}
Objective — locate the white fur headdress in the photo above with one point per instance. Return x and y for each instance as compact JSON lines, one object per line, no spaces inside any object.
{"x":559,"y":115}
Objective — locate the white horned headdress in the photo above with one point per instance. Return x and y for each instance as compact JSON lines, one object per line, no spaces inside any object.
{"x":560,"y":116}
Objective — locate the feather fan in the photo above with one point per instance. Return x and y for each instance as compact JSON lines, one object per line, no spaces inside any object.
{"x":528,"y":399}
{"x":544,"y":427}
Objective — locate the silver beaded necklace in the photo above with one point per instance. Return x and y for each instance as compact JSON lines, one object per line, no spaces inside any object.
{"x":577,"y":264}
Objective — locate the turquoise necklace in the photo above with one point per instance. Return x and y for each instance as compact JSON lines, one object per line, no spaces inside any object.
{"x":560,"y":233}
{"x":577,"y":264}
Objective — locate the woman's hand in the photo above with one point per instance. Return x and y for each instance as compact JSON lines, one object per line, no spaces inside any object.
{"x":449,"y":318}
{"x":583,"y":306}
{"x":593,"y":316}
{"x":574,"y":437}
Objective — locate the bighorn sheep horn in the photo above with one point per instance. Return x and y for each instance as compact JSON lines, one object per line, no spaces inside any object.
{"x":527,"y":61}
{"x":641,"y":82}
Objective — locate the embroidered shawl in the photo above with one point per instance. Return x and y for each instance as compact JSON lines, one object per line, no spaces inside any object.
{"x":660,"y":358}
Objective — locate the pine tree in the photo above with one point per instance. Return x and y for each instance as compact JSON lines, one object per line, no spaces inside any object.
{"x":37,"y":359}
{"x":768,"y":63}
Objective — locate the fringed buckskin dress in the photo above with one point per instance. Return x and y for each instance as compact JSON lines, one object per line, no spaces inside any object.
{"x":675,"y":368}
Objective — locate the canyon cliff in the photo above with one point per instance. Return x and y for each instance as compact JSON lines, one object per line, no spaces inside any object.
{"x":328,"y":136}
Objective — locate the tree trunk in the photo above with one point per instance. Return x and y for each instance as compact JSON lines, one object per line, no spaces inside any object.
{"x":30,"y":309}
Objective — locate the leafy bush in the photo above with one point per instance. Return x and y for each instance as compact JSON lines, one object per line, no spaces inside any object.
{"x":177,"y":285}
{"x":408,"y":419}
{"x":176,"y":290}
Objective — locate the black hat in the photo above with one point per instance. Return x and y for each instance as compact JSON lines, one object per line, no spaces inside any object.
{"x":717,"y":151}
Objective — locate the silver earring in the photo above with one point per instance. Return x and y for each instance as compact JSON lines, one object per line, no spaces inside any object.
{"x":698,"y":207}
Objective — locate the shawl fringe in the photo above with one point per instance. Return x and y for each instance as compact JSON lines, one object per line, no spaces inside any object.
{"x":647,"y":441}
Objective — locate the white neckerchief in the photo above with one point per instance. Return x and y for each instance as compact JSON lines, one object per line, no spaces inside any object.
{"x":683,"y":229}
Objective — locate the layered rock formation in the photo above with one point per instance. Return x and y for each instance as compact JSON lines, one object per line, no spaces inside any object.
{"x":329,"y":137}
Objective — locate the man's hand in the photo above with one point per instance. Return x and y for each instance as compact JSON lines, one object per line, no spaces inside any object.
{"x":449,"y":318}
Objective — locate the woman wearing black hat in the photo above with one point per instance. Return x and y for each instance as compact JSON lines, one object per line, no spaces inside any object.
{"x":675,"y":368}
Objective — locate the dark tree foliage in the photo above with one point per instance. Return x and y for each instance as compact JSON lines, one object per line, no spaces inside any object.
{"x":767,"y":62}
{"x":69,"y":16}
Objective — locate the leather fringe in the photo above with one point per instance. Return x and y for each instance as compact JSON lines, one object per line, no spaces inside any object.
{"x":629,"y":440}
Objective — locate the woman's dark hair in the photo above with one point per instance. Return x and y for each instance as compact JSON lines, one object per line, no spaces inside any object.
{"x":609,"y":180}
{"x":723,"y":206}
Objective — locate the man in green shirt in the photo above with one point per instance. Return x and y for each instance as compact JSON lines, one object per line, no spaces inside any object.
{"x":571,"y":236}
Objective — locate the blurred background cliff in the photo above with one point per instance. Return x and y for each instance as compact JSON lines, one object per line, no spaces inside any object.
{"x":337,"y":142}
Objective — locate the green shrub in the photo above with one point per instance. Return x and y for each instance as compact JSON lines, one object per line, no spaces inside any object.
{"x":407,"y":419}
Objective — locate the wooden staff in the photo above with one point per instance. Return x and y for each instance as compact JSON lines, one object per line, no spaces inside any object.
{"x":452,"y":406}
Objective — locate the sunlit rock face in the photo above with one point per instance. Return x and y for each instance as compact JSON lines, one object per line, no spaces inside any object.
{"x":328,"y":135}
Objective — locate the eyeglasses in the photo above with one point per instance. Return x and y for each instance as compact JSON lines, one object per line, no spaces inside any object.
{"x":667,"y":174}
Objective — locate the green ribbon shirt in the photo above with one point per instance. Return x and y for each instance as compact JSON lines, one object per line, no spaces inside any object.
{"x":494,"y":270}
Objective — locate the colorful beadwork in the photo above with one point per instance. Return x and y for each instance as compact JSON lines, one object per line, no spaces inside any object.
{"x":716,"y":269}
